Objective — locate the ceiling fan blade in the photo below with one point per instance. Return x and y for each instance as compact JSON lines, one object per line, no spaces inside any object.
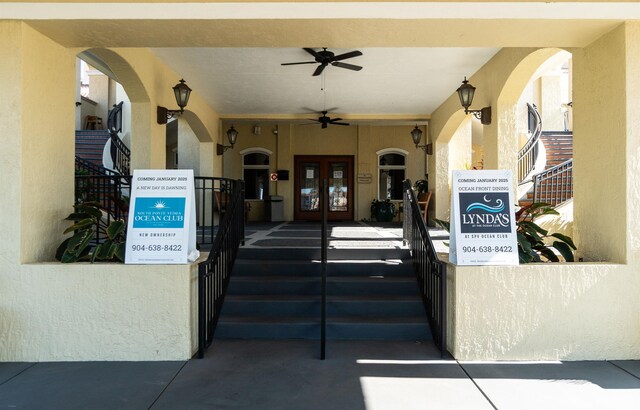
{"x":311,"y":51}
{"x":347,"y":66}
{"x":350,"y":54}
{"x":319,"y":70}
{"x":305,"y":62}
{"x":339,"y":123}
{"x":331,"y":109}
{"x":335,"y":119}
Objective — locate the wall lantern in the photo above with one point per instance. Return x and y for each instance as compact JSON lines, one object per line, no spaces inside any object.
{"x":182,"y":93}
{"x":416,"y":136}
{"x":232,"y":136}
{"x":466,"y":92}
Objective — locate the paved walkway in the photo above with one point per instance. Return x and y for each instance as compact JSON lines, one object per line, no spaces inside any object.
{"x":289,"y":375}
{"x":357,"y":375}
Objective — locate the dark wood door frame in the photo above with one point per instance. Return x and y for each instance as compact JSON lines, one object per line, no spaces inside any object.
{"x":324,"y":161}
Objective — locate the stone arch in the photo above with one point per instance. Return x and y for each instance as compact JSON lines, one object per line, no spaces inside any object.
{"x":524,"y":71}
{"x":198,"y":127}
{"x":124,"y":73}
{"x":140,"y":125}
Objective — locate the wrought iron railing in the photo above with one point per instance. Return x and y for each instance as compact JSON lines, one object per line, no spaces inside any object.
{"x":212,"y":201}
{"x":98,"y":184}
{"x":430,"y":271}
{"x":214,"y":273}
{"x":528,"y":155}
{"x":555,"y":185}
{"x":120,"y":153}
{"x":111,"y":192}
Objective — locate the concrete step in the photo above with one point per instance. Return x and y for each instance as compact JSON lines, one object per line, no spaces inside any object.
{"x":363,"y":328}
{"x":258,"y":267}
{"x":314,"y":254}
{"x":274,"y":285}
{"x":357,"y":286}
{"x":374,"y":306}
{"x":261,"y":327}
{"x":272,"y":305}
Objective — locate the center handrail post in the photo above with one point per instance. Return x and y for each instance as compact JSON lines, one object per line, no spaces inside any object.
{"x":323,"y":259}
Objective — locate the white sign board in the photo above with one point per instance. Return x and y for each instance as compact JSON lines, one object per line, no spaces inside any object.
{"x":483,"y":229}
{"x":162,"y":224}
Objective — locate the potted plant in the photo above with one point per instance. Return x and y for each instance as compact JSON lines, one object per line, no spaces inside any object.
{"x":383,"y":211}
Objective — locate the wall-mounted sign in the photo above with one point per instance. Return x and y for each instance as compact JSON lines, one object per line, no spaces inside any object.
{"x":483,"y":229}
{"x":162,"y":225}
{"x":273,"y":176}
{"x":364,"y":178}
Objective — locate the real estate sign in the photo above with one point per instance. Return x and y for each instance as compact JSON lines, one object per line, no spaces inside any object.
{"x":483,"y":229}
{"x":162,"y":225}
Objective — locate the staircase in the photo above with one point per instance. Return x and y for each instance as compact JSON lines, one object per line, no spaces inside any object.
{"x":90,"y":145}
{"x":275,"y":294}
{"x":559,"y":149}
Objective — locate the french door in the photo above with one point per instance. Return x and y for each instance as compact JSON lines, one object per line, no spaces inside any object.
{"x":310,"y":170}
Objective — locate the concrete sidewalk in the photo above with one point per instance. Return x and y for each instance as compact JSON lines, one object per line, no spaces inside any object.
{"x":289,"y":375}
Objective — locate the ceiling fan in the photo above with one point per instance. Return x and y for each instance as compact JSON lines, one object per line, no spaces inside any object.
{"x":325,"y":121}
{"x":325,"y":58}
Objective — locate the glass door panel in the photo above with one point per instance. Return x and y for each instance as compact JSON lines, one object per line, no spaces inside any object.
{"x":338,"y":187}
{"x":310,"y":187}
{"x":310,"y":171}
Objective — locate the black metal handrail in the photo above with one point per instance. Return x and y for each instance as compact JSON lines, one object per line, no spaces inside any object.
{"x":528,"y":155}
{"x":555,"y":185}
{"x":430,"y":271}
{"x":213,"y":197}
{"x":324,"y":195}
{"x":84,"y":167}
{"x":214,"y":273}
{"x":120,"y":153}
{"x":98,"y":184}
{"x":111,"y":192}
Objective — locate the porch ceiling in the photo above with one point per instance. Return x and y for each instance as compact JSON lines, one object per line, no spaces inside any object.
{"x":415,"y":54}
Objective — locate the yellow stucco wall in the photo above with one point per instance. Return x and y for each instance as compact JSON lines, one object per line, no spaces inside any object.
{"x":56,"y":312}
{"x":50,"y":311}
{"x":581,"y":310}
{"x":543,"y":312}
{"x":360,"y":141}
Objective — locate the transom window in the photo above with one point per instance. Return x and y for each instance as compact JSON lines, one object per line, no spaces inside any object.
{"x":391,"y":173}
{"x":255,"y":172}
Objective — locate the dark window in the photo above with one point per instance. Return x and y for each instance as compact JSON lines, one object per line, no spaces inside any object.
{"x":256,"y":183}
{"x":256,"y":159}
{"x":391,"y":160}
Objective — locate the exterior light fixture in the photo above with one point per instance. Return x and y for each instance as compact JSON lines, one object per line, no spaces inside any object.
{"x":182,"y":93}
{"x":232,"y":136}
{"x":416,"y":136}
{"x":466,"y":92}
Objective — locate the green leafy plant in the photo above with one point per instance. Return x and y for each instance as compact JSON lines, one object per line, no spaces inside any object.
{"x":383,"y":211}
{"x":532,"y":238}
{"x":87,"y":219}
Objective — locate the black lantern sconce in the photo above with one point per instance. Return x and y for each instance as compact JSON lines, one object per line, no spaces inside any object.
{"x":182,"y":93}
{"x":466,"y":92}
{"x":416,"y":136}
{"x":232,"y":136}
